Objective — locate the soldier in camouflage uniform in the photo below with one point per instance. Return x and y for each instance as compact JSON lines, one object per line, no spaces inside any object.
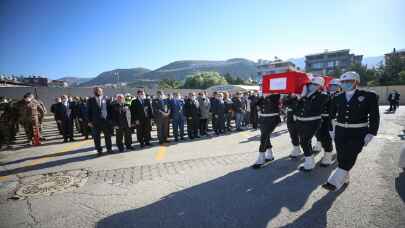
{"x":25,"y":109}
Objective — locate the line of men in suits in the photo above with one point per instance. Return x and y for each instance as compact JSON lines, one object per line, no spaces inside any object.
{"x":121,"y":116}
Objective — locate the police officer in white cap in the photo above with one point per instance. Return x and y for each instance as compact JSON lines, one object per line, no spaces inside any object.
{"x":309,"y":118}
{"x":322,"y":135}
{"x":269,"y":118}
{"x":291,"y":103}
{"x":357,"y":121}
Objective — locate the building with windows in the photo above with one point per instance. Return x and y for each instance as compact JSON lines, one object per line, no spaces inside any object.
{"x":265,"y":67}
{"x":400,"y":53}
{"x":327,"y":62}
{"x":58,"y":83}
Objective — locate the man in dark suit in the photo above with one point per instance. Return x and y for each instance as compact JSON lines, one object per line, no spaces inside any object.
{"x":177,"y":116}
{"x":64,"y":116}
{"x":58,"y":101}
{"x":141,"y":114}
{"x":161,"y":112}
{"x":192,"y":113}
{"x":99,"y":117}
{"x":120,"y":118}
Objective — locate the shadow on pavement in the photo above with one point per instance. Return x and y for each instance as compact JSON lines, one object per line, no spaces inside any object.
{"x":51,"y":163}
{"x":244,"y":198}
{"x":273,"y":135}
{"x":50,"y":155}
{"x":400,"y":185}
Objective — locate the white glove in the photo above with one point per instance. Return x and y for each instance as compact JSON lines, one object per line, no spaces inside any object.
{"x":368,"y":138}
{"x":332,"y":134}
{"x":304,"y":91}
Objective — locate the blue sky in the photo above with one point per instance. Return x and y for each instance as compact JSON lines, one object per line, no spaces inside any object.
{"x":85,"y":37}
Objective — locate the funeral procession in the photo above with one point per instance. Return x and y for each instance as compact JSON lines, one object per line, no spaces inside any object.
{"x":159,"y":140}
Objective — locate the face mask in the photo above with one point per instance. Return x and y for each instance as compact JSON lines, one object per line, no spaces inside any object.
{"x":347,"y":86}
{"x":333,"y":88}
{"x":312,"y":88}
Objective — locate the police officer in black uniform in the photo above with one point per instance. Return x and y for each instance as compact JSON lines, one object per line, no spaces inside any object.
{"x":291,"y":104}
{"x":309,"y":118}
{"x":357,"y":122}
{"x":322,"y":135}
{"x":269,"y":118}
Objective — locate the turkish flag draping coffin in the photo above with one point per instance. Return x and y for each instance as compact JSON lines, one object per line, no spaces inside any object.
{"x":327,"y":81}
{"x":284,"y":83}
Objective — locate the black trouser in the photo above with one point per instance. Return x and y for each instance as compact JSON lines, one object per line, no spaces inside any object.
{"x":219,"y":123}
{"x":193,"y":124}
{"x":67,"y":128}
{"x":254,"y":118}
{"x":307,"y":131}
{"x":123,"y":132}
{"x":392,"y":106}
{"x":349,"y":143}
{"x":162,"y":125}
{"x":228,"y":118}
{"x":203,"y":126}
{"x":85,"y":128}
{"x":214,"y":123}
{"x":292,"y":127}
{"x":143,"y":130}
{"x":267,"y":126}
{"x":323,"y":135}
{"x":105,"y":127}
{"x":59,"y":125}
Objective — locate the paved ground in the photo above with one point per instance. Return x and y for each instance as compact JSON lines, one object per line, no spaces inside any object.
{"x":201,"y":183}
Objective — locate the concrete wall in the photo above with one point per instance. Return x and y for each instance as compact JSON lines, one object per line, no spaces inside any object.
{"x":384,"y":91}
{"x":47,"y":95}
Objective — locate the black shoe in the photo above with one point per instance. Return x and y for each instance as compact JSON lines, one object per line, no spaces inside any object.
{"x":142,"y":145}
{"x":65,"y":140}
{"x":72,"y":140}
{"x":268,"y":160}
{"x":329,"y":186}
{"x":121,"y":150}
{"x":130,"y":148}
{"x":176,"y":139}
{"x":257,"y":166}
{"x":99,"y":153}
{"x":110,"y":151}
{"x":148,"y":144}
{"x":182,"y":138}
{"x":304,"y":170}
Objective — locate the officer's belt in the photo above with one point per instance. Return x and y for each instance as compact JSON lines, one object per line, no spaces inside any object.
{"x":325,"y":115}
{"x":360,"y":125}
{"x":312,"y":118}
{"x":268,"y":114}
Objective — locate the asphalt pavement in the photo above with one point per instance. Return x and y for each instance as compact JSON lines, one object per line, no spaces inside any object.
{"x":201,"y":183}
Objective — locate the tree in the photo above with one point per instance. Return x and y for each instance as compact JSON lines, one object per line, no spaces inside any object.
{"x":203,"y":80}
{"x":169,"y":84}
{"x":366,"y":75}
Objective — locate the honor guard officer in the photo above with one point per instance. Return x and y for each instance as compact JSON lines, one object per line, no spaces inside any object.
{"x":269,"y":118}
{"x":357,"y":121}
{"x":322,"y":135}
{"x":309,"y":118}
{"x":291,"y":104}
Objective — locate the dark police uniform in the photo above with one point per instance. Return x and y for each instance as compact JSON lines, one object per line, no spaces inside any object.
{"x":269,"y":118}
{"x":354,"y":120}
{"x":291,"y":103}
{"x":308,"y":117}
{"x":322,"y":135}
